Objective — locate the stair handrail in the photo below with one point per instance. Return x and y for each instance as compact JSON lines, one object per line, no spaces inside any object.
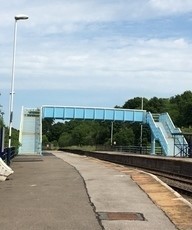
{"x":171,"y":129}
{"x":158,"y":133}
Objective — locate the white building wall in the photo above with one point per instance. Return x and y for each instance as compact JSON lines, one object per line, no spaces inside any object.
{"x":30,"y":132}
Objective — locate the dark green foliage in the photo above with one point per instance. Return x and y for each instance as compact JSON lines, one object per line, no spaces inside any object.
{"x":82,"y":133}
{"x":124,"y":136}
{"x":45,"y":140}
{"x":183,"y":109}
{"x":65,"y":140}
{"x":156,"y":105}
{"x":14,"y":137}
{"x":1,"y":122}
{"x":1,"y":117}
{"x":134,"y":103}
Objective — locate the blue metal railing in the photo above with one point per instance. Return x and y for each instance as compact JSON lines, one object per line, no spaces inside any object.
{"x":8,"y":154}
{"x":179,"y":139}
{"x":168,"y":124}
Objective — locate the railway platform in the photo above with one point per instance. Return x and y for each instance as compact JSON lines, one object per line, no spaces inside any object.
{"x":64,"y":191}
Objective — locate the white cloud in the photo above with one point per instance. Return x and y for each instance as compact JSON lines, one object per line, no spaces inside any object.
{"x":106,"y":64}
{"x":50,"y":13}
{"x":172,"y":6}
{"x":88,"y":45}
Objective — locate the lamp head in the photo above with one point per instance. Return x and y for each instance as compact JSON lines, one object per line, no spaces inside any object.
{"x":21,"y":17}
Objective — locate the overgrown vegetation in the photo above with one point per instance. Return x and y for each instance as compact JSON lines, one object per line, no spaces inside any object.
{"x":92,"y":133}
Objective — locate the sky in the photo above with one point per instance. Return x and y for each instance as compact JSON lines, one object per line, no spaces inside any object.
{"x":94,"y":52}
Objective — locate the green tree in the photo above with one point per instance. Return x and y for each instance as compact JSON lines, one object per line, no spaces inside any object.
{"x":56,"y":130}
{"x":1,"y":122}
{"x":135,"y":103}
{"x":125,"y":136}
{"x":78,"y":135}
{"x":45,"y":140}
{"x":157,"y":105}
{"x":182,"y":109}
{"x":65,"y":140}
{"x":102,"y":133}
{"x":14,"y":137}
{"x":46,"y":127}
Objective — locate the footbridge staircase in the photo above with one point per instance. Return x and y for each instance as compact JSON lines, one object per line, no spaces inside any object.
{"x":169,"y":137}
{"x":162,"y":128}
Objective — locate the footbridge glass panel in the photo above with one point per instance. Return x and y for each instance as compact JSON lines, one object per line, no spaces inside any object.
{"x":90,"y":113}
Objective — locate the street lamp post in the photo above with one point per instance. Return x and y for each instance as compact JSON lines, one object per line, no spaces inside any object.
{"x":17,"y":17}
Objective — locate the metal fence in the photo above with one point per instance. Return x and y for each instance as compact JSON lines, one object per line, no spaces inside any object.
{"x":131,"y":149}
{"x":8,"y":154}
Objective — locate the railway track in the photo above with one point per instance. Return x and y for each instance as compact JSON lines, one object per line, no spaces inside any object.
{"x":180,"y":183}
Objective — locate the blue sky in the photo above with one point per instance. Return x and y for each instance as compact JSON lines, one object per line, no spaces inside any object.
{"x":94,"y":52}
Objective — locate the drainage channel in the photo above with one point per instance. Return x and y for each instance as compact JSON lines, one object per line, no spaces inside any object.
{"x":121,"y":216}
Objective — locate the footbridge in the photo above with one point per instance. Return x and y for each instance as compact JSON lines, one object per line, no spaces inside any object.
{"x":162,"y":128}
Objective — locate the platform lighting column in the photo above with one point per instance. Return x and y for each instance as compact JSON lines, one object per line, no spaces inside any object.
{"x":17,"y":17}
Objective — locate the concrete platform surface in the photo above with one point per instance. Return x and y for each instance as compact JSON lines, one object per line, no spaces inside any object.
{"x":45,"y":193}
{"x":71,"y":192}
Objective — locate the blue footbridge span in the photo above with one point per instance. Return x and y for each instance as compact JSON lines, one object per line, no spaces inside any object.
{"x":163,"y":130}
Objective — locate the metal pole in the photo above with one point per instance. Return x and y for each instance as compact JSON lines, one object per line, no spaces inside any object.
{"x":111,"y":133}
{"x":17,"y":17}
{"x":12,"y":85}
{"x":141,"y":132}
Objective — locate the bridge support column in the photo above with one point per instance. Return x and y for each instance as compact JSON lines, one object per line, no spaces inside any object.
{"x":152,"y":144}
